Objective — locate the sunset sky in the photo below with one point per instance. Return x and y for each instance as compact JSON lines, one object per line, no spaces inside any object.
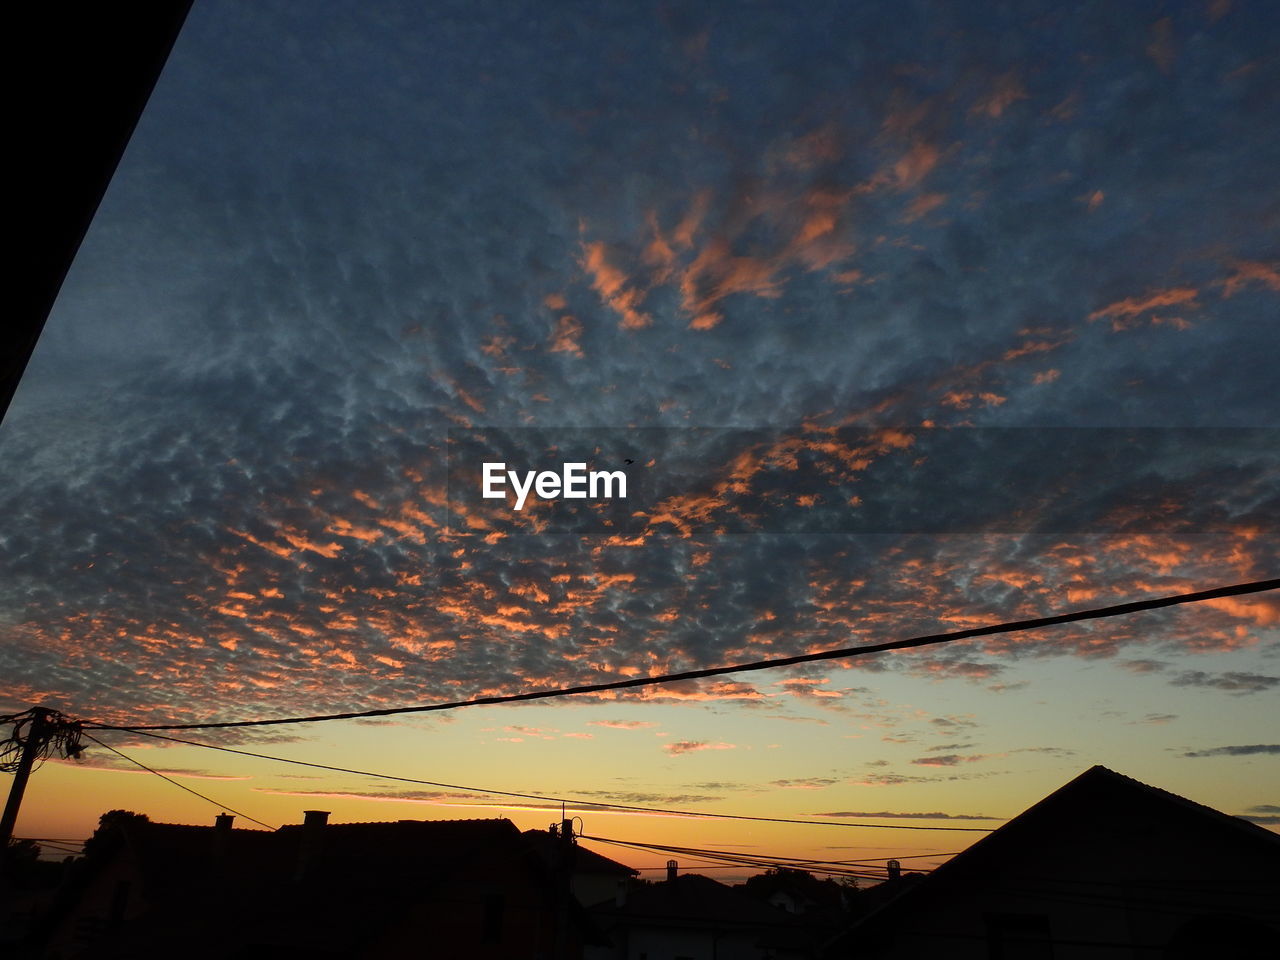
{"x":911,"y":316}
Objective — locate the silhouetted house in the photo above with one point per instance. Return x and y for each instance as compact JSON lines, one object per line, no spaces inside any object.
{"x":798,"y":892}
{"x":594,"y":878}
{"x":1105,"y":867}
{"x":468,"y":888}
{"x":692,"y":917}
{"x":819,"y":907}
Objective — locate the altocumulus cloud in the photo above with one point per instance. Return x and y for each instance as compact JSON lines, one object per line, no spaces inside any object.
{"x":575,"y":220}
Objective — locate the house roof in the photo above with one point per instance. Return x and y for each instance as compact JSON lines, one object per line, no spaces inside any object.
{"x":201,"y":881}
{"x":1098,"y":795}
{"x":171,"y":854}
{"x":693,"y":899}
{"x":584,"y":860}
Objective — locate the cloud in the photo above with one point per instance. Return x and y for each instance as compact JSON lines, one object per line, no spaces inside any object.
{"x":113,"y":764}
{"x":1124,"y":313}
{"x":1007,"y":91}
{"x":222,"y":484}
{"x":947,"y":760}
{"x":381,"y":796}
{"x":954,"y":722}
{"x":615,"y":288}
{"x":1230,"y":681}
{"x":887,"y":815}
{"x":805,"y":783}
{"x":1265,"y":820}
{"x":1248,"y":750}
{"x":649,"y":797}
{"x":691,"y":746}
{"x":623,"y":724}
{"x":900,"y":779}
{"x":1248,"y":272}
{"x":1143,"y":666}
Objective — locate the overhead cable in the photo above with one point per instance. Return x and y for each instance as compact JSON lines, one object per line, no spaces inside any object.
{"x":180,"y":786}
{"x":577,"y":802}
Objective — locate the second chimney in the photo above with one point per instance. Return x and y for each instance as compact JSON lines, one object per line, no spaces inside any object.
{"x":313,"y":824}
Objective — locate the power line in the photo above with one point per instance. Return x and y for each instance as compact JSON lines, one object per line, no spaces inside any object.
{"x":902,"y":856}
{"x":832,"y":868}
{"x":1016,"y":626}
{"x":180,"y":786}
{"x":669,"y":848}
{"x":729,"y":862}
{"x":633,"y":808}
{"x":61,"y":849}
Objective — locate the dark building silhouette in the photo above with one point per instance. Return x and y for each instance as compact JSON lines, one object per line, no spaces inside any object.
{"x":1105,"y":868}
{"x":463,"y":888}
{"x":693,"y":917}
{"x":594,"y":878}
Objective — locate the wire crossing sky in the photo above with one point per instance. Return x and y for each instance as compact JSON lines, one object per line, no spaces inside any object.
{"x":900,"y":320}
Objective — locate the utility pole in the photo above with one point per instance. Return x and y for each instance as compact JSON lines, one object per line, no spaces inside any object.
{"x":34,"y":733}
{"x":31,"y":744}
{"x":564,"y":889}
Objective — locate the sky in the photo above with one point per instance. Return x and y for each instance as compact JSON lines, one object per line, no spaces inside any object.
{"x":900,"y":317}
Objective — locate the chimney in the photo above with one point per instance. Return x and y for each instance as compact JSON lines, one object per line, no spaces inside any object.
{"x":221,"y":835}
{"x":672,"y":868}
{"x":895,"y":869}
{"x":313,"y":824}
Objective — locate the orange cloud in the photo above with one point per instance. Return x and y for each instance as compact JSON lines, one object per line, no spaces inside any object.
{"x":914,"y":165}
{"x":715,"y":274}
{"x":565,"y":337}
{"x":1007,"y":91}
{"x":924,"y":204}
{"x":688,"y":227}
{"x":1264,"y":611}
{"x":1251,"y":271}
{"x":1122,"y":313}
{"x":614,"y":288}
{"x":814,"y":149}
{"x":469,"y":400}
{"x":964,"y":399}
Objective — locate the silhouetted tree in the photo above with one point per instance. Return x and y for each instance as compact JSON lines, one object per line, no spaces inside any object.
{"x":21,"y":854}
{"x":110,"y":826}
{"x":800,"y":884}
